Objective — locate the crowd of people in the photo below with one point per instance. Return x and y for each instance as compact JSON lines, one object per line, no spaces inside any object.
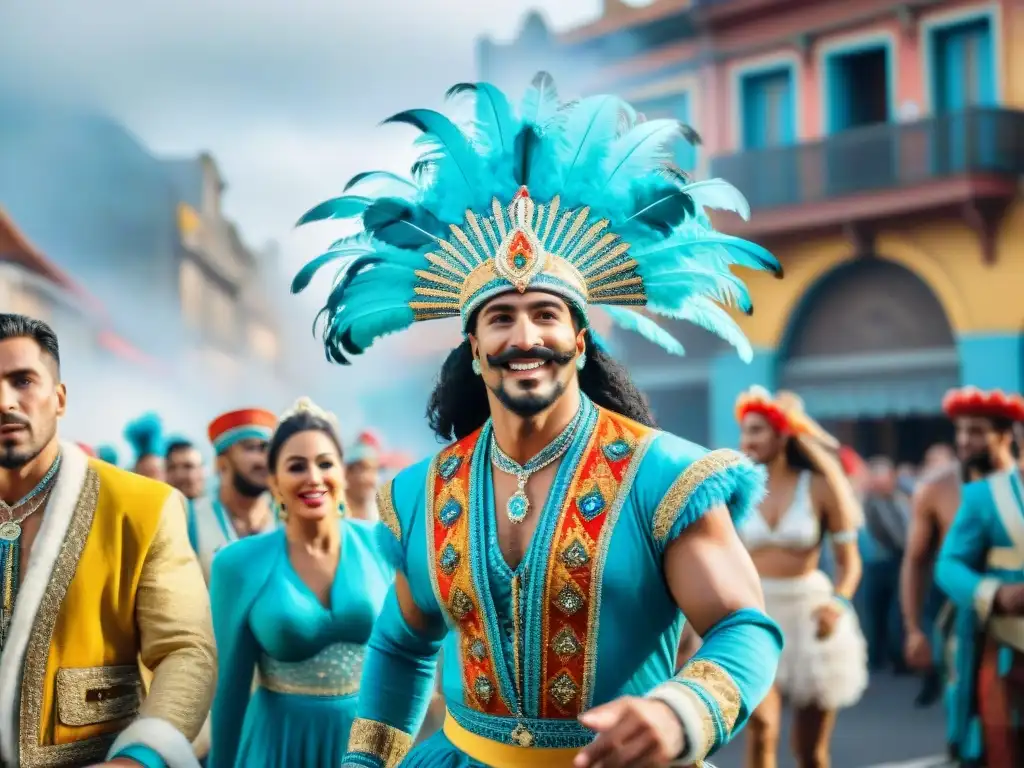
{"x":600,"y":593}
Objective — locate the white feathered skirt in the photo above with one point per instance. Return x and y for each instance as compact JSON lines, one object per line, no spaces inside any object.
{"x":830,"y":673}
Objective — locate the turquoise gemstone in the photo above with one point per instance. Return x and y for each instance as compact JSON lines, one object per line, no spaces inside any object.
{"x":449,"y":559}
{"x":591,"y":504}
{"x":617,"y":449}
{"x":450,"y":512}
{"x":449,"y":467}
{"x":519,"y":261}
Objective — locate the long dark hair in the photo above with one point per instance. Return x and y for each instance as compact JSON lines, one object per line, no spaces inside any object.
{"x":458,"y":405}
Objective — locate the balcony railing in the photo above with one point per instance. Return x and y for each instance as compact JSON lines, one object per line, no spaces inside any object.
{"x":985,"y":141}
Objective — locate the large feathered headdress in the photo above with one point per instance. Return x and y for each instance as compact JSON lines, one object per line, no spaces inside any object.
{"x":578,"y":199}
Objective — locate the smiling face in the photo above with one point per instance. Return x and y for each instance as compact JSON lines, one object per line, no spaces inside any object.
{"x":308,"y":479}
{"x":32,"y":399}
{"x":526,"y":345}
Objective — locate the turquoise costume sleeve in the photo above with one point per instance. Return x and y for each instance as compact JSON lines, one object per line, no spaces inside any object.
{"x":141,"y":754}
{"x":401,"y":662}
{"x":397,"y":685}
{"x":961,"y":564}
{"x":237,"y":650}
{"x":716,"y":690}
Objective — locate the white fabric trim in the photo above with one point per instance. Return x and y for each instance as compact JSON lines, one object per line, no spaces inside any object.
{"x":47,"y":545}
{"x":691,"y":713}
{"x":985,"y":598}
{"x":160,"y":736}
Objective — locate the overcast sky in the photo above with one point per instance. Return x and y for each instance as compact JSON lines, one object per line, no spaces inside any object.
{"x":285,"y":93}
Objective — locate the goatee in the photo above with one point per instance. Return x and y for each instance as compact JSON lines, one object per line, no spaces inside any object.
{"x":246,"y":487}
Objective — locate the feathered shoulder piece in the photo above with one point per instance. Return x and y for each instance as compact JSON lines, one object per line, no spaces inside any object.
{"x":145,"y":435}
{"x":995,"y":404}
{"x":580,"y":200}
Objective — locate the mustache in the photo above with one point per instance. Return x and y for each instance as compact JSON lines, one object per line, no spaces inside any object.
{"x":7,"y":419}
{"x":545,"y":354}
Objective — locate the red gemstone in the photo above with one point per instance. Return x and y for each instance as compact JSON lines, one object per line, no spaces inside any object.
{"x":520,"y":253}
{"x":522,"y":194}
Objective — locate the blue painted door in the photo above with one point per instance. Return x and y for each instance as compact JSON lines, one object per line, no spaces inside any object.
{"x":768,"y":118}
{"x":963,"y":85}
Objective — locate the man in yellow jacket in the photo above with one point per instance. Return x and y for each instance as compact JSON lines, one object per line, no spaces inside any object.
{"x":96,"y":574}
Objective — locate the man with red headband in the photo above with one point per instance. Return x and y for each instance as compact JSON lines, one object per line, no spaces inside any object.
{"x":238,"y":506}
{"x":981,"y":568}
{"x":935,"y":503}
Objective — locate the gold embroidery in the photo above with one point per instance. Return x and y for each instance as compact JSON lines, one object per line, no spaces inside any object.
{"x":386,"y":510}
{"x":682,"y":488}
{"x":92,"y":695}
{"x":387,"y":744}
{"x":32,"y":752}
{"x":717,"y":684}
{"x":594,"y":619}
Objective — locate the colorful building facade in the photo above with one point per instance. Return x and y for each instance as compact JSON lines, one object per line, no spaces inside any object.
{"x":880,"y":147}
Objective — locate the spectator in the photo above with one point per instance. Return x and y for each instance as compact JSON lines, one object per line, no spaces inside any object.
{"x":887,"y":518}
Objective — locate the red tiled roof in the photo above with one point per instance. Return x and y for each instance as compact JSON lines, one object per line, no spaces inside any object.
{"x":15,"y":247}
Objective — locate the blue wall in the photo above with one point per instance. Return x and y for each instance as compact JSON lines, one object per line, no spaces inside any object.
{"x":730,"y":377}
{"x":992,"y":361}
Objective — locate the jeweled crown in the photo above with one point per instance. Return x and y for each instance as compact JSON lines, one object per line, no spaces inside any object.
{"x":306,"y":405}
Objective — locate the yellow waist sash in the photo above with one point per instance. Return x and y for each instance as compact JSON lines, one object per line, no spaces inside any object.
{"x":498,"y":755}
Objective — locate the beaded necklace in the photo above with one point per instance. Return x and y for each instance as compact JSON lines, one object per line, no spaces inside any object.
{"x":10,"y":542}
{"x":519,"y":503}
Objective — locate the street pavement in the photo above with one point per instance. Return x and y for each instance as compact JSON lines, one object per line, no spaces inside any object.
{"x":884,"y":730}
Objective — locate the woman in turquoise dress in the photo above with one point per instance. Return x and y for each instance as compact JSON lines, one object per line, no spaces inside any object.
{"x":295,"y":607}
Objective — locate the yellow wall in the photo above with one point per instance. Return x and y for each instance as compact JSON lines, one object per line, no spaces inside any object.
{"x":944,"y":253}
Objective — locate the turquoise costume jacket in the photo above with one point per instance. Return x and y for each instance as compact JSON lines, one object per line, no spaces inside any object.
{"x":585,"y":618}
{"x":983,"y":550}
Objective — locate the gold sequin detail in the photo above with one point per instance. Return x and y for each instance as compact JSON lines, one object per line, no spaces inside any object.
{"x":32,"y":753}
{"x":93,"y":695}
{"x":594,"y":619}
{"x":387,"y":744}
{"x":717,"y":684}
{"x":386,"y":510}
{"x":674,"y":502}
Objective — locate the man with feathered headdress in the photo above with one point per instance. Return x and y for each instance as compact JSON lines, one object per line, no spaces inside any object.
{"x":146,"y":437}
{"x":523,"y":546}
{"x":980,"y":567}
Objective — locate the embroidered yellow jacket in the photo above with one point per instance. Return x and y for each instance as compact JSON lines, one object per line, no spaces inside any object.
{"x":112,"y":581}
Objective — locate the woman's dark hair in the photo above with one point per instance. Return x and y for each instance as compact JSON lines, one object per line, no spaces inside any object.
{"x":458,"y":405}
{"x":303,"y":421}
{"x":797,"y":458}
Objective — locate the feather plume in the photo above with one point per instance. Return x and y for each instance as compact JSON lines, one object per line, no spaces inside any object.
{"x":630,"y":320}
{"x":145,"y":435}
{"x":597,"y":154}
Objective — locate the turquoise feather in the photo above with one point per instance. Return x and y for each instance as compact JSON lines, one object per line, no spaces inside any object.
{"x":145,"y":435}
{"x":107,"y":453}
{"x":346,"y":207}
{"x":596,"y":154}
{"x":630,"y":320}
{"x":701,"y":311}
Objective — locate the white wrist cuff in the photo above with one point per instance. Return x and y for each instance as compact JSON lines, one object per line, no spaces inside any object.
{"x":693,"y":715}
